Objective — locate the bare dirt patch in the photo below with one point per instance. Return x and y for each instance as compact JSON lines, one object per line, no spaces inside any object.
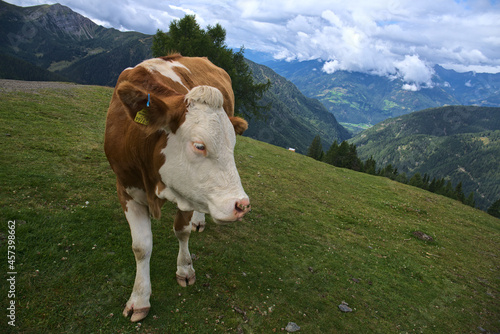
{"x":33,"y":86}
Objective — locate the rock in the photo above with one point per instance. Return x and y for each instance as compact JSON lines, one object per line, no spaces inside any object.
{"x":344,"y":307}
{"x":422,"y":236}
{"x":292,"y":327}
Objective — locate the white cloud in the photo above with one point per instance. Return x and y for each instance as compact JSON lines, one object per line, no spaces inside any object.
{"x":395,"y":38}
{"x":413,"y":70}
{"x":411,"y":87}
{"x":332,"y":66}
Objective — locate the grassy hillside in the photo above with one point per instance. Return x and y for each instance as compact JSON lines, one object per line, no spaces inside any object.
{"x":317,"y":236}
{"x":461,"y":143}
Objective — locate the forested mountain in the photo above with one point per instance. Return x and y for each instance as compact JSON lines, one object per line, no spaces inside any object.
{"x":55,"y":38}
{"x":294,"y":119}
{"x":360,"y":100}
{"x":459,"y":143}
{"x":18,"y":69}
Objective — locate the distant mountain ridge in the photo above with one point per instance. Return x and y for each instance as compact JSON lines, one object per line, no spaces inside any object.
{"x":359,"y":99}
{"x":459,"y":143}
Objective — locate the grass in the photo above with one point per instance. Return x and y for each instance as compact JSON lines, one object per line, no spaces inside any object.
{"x":317,"y":236}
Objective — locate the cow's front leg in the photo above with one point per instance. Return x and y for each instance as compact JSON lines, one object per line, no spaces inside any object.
{"x":198,"y":221}
{"x":142,"y":244}
{"x":182,"y":228}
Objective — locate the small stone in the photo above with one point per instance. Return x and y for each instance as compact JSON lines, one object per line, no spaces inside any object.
{"x":422,"y":236}
{"x":344,"y":307}
{"x":292,"y":327}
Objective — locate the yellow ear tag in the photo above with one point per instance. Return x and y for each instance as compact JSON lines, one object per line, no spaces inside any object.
{"x":142,"y":117}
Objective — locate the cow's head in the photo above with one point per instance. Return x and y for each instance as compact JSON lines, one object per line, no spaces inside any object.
{"x":199,"y":172}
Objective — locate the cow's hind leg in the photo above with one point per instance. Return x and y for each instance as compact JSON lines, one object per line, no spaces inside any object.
{"x":142,"y":244}
{"x":182,"y":228}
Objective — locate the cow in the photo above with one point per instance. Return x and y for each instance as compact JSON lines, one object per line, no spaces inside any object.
{"x":170,"y":135}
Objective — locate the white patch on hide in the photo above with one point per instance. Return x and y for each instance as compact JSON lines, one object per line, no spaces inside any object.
{"x":138,"y":195}
{"x":208,"y":95}
{"x":165,"y":68}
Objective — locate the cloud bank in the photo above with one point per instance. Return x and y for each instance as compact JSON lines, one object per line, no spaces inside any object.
{"x":395,"y":38}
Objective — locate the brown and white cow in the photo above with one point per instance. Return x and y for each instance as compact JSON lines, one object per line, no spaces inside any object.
{"x":170,"y":135}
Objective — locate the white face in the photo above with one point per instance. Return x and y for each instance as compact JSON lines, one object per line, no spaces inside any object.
{"x":200,"y":172}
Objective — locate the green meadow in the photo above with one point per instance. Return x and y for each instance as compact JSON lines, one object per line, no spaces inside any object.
{"x":317,"y":236}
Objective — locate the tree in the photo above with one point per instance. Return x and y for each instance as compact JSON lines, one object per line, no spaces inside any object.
{"x":470,"y":200}
{"x":402,"y":178}
{"x":416,"y":180}
{"x":342,"y":155}
{"x":352,"y":161}
{"x":389,"y":172}
{"x":331,"y":154}
{"x":315,"y":150}
{"x":370,"y":166}
{"x":494,"y":209}
{"x":189,"y":39}
{"x":459,"y":193}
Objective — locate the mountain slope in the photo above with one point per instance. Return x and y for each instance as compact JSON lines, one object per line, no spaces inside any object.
{"x":294,"y":119}
{"x":317,"y":236}
{"x":364,"y":99}
{"x":456,"y":142}
{"x":18,"y":69}
{"x":55,"y":38}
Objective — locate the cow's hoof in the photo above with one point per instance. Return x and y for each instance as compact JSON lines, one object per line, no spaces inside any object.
{"x":198,"y":226}
{"x":185,"y":281}
{"x":198,"y":221}
{"x":136,"y":314}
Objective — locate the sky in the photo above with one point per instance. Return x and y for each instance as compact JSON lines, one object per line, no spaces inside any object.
{"x":395,"y":38}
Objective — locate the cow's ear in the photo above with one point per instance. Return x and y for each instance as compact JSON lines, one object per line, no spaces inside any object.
{"x":240,"y":125}
{"x":151,"y":111}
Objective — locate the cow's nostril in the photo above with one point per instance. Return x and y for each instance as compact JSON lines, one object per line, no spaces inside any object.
{"x":239,"y":207}
{"x":242,"y":206}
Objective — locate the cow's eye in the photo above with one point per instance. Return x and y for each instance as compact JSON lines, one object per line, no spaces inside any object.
{"x":200,"y":147}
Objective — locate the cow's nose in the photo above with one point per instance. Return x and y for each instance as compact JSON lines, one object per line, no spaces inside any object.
{"x":241,"y":208}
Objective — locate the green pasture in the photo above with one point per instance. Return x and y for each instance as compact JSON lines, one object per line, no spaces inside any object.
{"x":317,"y":236}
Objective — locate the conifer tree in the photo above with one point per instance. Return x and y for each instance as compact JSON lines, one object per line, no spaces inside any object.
{"x":416,"y":180}
{"x":426,"y":181}
{"x":433,"y":185}
{"x":315,"y":150}
{"x":189,"y":39}
{"x":342,"y":156}
{"x":494,"y":209}
{"x":470,"y":200}
{"x":459,"y":193}
{"x":449,"y":191}
{"x":332,"y":153}
{"x":370,"y":166}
